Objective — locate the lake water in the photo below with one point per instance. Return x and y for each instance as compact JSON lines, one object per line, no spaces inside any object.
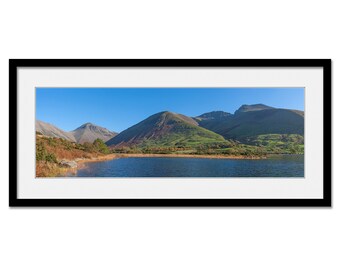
{"x":276,"y":166}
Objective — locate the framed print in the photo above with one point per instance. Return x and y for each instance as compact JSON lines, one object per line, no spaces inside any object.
{"x":170,"y":133}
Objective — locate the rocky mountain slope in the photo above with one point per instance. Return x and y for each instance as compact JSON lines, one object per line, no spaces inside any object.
{"x":52,"y":131}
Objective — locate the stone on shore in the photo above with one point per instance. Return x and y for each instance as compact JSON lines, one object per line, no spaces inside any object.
{"x":68,"y":164}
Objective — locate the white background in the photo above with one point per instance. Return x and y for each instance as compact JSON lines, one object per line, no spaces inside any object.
{"x":309,"y":187}
{"x":168,"y":238}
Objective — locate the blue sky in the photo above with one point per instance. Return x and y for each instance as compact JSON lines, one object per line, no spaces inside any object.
{"x":120,"y":108}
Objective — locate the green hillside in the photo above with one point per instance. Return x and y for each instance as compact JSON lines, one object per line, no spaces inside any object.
{"x":279,"y":143}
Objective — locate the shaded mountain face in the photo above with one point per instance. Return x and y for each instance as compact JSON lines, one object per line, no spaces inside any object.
{"x":252,"y":108}
{"x":212,"y":119}
{"x":253,"y":120}
{"x":90,"y":132}
{"x":165,"y":129}
{"x":52,"y":131}
{"x":215,"y":115}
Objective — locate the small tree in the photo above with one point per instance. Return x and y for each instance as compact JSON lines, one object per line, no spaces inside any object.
{"x":100,"y":146}
{"x":88,"y":147}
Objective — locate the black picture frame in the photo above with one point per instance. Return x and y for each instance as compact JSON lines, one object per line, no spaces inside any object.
{"x":14,"y":64}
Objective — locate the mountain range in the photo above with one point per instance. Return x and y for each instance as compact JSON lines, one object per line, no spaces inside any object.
{"x":168,"y":129}
{"x":85,"y":133}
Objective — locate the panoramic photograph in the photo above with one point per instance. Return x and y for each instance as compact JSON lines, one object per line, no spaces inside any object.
{"x":169,"y":132}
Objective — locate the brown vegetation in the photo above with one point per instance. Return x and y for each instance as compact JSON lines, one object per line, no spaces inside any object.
{"x":48,"y":169}
{"x":51,"y":151}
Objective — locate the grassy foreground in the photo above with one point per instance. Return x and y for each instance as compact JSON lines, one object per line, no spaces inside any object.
{"x":52,"y":153}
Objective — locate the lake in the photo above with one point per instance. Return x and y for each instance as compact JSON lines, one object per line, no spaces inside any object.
{"x":275,"y":166}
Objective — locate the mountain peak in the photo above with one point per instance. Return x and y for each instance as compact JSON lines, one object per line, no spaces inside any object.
{"x":88,"y":132}
{"x":253,"y":107}
{"x":165,"y":113}
{"x":166,"y":116}
{"x":88,"y":124}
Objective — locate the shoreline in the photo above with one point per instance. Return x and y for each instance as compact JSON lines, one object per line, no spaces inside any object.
{"x":81,"y":163}
{"x":205,"y":156}
{"x":189,"y":156}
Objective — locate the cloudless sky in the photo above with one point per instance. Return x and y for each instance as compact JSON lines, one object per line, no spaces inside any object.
{"x":119,"y":108}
